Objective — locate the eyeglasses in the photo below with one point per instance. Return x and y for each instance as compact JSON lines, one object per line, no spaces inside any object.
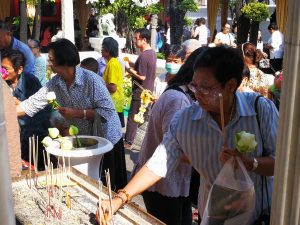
{"x":202,"y":90}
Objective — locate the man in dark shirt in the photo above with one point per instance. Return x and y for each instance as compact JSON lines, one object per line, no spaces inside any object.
{"x":142,"y":73}
{"x":7,"y":41}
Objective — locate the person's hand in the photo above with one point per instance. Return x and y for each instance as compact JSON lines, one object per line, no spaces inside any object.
{"x":102,"y":213}
{"x":227,"y":153}
{"x":17,"y":101}
{"x":67,"y":112}
{"x":127,"y":66}
{"x":265,"y":55}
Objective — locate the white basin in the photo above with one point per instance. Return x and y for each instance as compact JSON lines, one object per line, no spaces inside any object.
{"x":85,"y":159}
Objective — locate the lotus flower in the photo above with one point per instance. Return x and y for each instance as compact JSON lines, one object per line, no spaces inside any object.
{"x":73,"y":130}
{"x":245,"y":142}
{"x":66,"y":144}
{"x":53,"y":132}
{"x":4,"y":73}
{"x":51,"y":98}
{"x":47,"y":141}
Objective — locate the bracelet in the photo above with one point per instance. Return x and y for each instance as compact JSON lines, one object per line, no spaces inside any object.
{"x":124,"y":192}
{"x":84,"y":114}
{"x":120,"y":197}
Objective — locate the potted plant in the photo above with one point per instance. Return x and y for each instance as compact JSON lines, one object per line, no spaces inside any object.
{"x":256,"y":12}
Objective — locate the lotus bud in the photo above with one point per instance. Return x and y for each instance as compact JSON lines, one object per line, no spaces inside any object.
{"x":53,"y":132}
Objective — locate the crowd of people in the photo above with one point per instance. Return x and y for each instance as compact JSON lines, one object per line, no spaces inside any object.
{"x":188,"y":132}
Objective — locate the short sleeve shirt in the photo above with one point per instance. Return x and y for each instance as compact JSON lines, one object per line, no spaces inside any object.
{"x":113,"y":74}
{"x":146,"y":66}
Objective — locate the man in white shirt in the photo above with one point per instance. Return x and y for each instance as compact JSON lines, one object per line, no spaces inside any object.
{"x":276,"y":46}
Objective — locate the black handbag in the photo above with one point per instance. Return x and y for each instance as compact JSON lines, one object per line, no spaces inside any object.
{"x":264,"y":217}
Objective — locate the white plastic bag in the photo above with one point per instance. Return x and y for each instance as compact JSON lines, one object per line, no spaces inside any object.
{"x":231,"y":200}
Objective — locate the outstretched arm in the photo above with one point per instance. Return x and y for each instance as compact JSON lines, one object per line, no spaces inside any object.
{"x":144,"y":179}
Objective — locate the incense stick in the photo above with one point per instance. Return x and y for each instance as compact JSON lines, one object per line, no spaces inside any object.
{"x":107,"y":176}
{"x":100,"y":200}
{"x":222,"y":115}
{"x":33,"y":154}
{"x":37,"y":152}
{"x":29,"y":167}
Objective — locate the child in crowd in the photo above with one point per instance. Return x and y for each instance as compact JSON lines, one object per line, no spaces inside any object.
{"x":90,"y":64}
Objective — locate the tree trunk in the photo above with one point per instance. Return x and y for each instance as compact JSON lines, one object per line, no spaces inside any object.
{"x":243,"y":26}
{"x":122,"y":24}
{"x":224,"y":11}
{"x":254,"y":32}
{"x":37,"y":21}
{"x":176,"y":22}
{"x":23,"y":21}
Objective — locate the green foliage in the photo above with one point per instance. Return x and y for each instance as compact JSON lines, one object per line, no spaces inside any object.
{"x":16,"y":21}
{"x":134,"y":13}
{"x":160,"y":55}
{"x":256,"y":11}
{"x":188,"y":5}
{"x":188,"y":21}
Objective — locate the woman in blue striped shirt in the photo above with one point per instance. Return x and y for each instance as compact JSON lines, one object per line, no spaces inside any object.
{"x":196,"y":132}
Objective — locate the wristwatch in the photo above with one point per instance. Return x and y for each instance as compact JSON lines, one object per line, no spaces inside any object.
{"x":255,"y":164}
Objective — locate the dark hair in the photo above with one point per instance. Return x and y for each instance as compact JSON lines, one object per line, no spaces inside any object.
{"x":176,"y":50}
{"x":197,"y":21}
{"x":186,"y":71}
{"x":224,"y":24}
{"x":225,"y":63}
{"x":35,"y":42}
{"x":65,"y":52}
{"x":111,"y":45}
{"x":16,"y":57}
{"x":251,"y":52}
{"x":5,"y":26}
{"x":272,"y":26}
{"x":202,"y":20}
{"x":144,"y":33}
{"x":90,"y":64}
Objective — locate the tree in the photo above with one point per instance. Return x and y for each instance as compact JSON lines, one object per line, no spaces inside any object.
{"x":36,"y":31}
{"x":243,"y":23}
{"x":177,"y":11}
{"x":256,"y":12}
{"x":23,"y":21}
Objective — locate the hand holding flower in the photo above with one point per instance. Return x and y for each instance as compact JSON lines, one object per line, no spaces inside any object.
{"x":51,"y":98}
{"x":245,"y":142}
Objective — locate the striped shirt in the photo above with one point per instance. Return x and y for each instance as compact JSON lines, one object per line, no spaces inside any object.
{"x":87,"y":92}
{"x":193,"y":132}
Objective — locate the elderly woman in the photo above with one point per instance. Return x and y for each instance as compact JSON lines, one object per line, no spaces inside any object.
{"x":113,"y":74}
{"x":85,"y":102}
{"x":196,"y":133}
{"x":257,"y":81}
{"x":23,"y":85}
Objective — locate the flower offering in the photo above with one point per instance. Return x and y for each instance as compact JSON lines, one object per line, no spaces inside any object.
{"x":51,"y":98}
{"x":146,"y":99}
{"x":245,"y":142}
